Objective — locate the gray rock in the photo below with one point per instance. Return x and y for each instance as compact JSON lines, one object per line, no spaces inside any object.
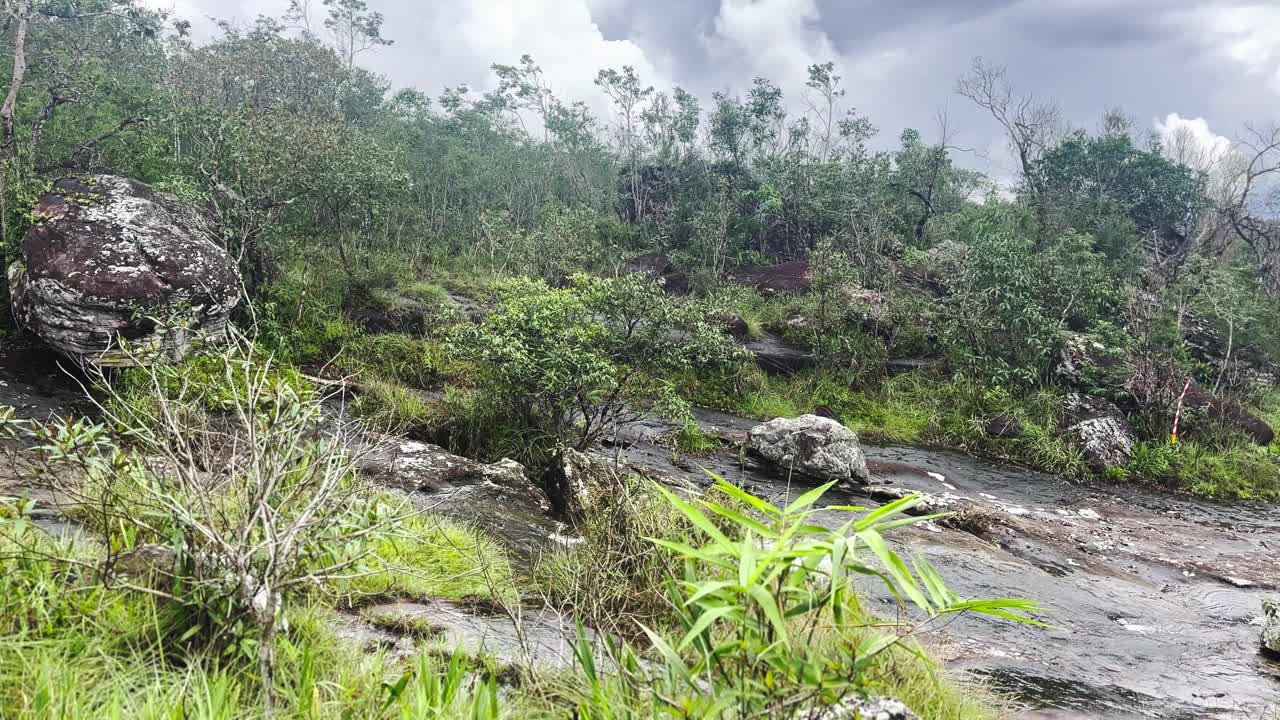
{"x":872,"y":708}
{"x":580,"y":482}
{"x":421,"y":467}
{"x":110,"y":259}
{"x":1100,"y":430}
{"x":776,"y":356}
{"x":1088,"y":364}
{"x":1271,"y":626}
{"x":788,"y":278}
{"x":811,"y":445}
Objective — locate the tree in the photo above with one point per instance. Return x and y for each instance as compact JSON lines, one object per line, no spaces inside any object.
{"x":1029,"y":124}
{"x":355,"y":29}
{"x":629,"y":97}
{"x":1092,"y":179}
{"x":1251,"y":202}
{"x":928,"y":181}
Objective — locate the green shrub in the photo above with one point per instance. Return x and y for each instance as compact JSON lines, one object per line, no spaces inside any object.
{"x":563,"y":367}
{"x":766,"y":615}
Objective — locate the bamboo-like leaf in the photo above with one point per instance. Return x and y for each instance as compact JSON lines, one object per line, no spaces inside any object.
{"x":932,"y":582}
{"x":705,"y":589}
{"x":871,"y":646}
{"x":885,"y":511}
{"x":703,"y":622}
{"x":695,"y":516}
{"x":759,"y":527}
{"x":769,"y":605}
{"x":674,"y":662}
{"x":808,"y":498}
{"x":738,"y":493}
{"x":896,"y":568}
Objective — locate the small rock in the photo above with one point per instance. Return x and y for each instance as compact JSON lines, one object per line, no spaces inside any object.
{"x":1002,"y":426}
{"x":1100,"y":430}
{"x":1271,"y":626}
{"x":872,"y":708}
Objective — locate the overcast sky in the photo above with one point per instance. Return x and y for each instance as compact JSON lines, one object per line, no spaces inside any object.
{"x":1211,"y":64}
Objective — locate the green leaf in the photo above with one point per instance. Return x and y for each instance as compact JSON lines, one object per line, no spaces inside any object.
{"x":809,"y":498}
{"x":674,"y":662}
{"x":885,"y":511}
{"x":703,"y":622}
{"x":738,"y":493}
{"x":896,"y":568}
{"x":769,"y":605}
{"x":694,"y":515}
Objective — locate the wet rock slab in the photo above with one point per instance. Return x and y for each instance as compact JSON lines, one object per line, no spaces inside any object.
{"x":534,"y":638}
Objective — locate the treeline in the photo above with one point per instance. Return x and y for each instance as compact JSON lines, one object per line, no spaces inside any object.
{"x":294,"y":146}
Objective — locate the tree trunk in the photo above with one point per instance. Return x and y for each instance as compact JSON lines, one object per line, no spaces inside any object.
{"x":8,"y":124}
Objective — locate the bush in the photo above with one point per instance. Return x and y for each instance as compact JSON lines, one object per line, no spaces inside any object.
{"x":565,"y":366}
{"x":230,"y":515}
{"x":766,"y":615}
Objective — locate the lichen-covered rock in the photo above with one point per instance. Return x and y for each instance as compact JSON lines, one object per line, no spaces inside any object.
{"x":1100,"y":430}
{"x":811,"y":445}
{"x":872,"y":708}
{"x":110,"y":259}
{"x":421,"y":467}
{"x":579,"y":482}
{"x":1087,"y":363}
{"x":1271,"y":626}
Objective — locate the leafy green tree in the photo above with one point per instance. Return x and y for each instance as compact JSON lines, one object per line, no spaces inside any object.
{"x":1094,"y":179}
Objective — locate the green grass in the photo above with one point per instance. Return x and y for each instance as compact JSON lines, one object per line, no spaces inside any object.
{"x":392,"y":407}
{"x":426,"y":292}
{"x":433,"y":557}
{"x":1241,"y":470}
{"x":71,"y":649}
{"x":912,"y":409}
{"x":394,"y":357}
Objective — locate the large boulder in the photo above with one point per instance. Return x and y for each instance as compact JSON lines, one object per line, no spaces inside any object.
{"x":579,"y":482}
{"x":1100,"y":430}
{"x":110,"y":259}
{"x":811,"y":445}
{"x":789,"y":278}
{"x":1271,"y":626}
{"x":1090,"y":365}
{"x":497,"y":496}
{"x":776,"y":356}
{"x":1200,"y":405}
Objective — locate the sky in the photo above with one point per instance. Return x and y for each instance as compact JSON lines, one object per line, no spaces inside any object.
{"x":1208,"y":66}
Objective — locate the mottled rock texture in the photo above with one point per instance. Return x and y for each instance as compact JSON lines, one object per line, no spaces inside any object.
{"x":811,"y":445}
{"x":1271,"y":626}
{"x":110,"y":259}
{"x":1100,"y":430}
{"x":873,"y":708}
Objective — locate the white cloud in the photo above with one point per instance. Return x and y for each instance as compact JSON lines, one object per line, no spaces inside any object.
{"x":1191,"y":142}
{"x":777,"y":39}
{"x":439,"y":44}
{"x":1243,"y":34}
